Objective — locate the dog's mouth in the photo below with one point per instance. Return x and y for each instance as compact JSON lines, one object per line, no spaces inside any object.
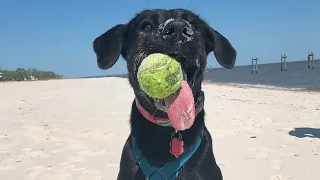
{"x":190,"y":70}
{"x":180,"y":106}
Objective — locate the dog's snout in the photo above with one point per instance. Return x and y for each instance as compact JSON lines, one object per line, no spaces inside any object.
{"x":177,"y":27}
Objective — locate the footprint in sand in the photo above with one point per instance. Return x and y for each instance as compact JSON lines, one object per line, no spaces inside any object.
{"x":91,"y":172}
{"x":84,"y":134}
{"x":39,"y":154}
{"x":97,"y":135}
{"x":277,"y":164}
{"x":76,"y":159}
{"x":264,"y":152}
{"x":222,"y":133}
{"x":78,"y":169}
{"x":58,"y":151}
{"x":92,"y":153}
{"x":26,"y":149}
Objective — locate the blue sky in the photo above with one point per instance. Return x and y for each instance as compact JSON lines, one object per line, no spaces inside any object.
{"x":57,"y":35}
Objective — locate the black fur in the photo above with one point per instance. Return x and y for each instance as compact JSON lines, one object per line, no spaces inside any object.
{"x":189,"y":39}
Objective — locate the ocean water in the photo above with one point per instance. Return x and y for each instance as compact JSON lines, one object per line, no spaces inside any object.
{"x":297,"y":75}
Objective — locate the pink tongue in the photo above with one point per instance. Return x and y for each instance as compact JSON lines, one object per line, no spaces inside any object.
{"x":180,"y":108}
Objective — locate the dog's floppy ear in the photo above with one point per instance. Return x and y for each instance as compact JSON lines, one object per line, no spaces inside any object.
{"x":221,"y":47}
{"x":108,"y":46}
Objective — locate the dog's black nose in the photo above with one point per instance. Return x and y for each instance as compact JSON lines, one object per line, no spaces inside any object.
{"x":175,"y":27}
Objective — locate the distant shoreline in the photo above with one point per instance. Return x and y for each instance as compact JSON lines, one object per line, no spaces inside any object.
{"x":297,"y":78}
{"x":261,"y":86}
{"x":315,"y":89}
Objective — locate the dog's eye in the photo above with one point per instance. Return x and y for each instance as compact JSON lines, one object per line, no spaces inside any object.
{"x":147,"y":27}
{"x":193,"y":24}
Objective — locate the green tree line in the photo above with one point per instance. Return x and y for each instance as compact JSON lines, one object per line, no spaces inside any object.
{"x":21,"y":74}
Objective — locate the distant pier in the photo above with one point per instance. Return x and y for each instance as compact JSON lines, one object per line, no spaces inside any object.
{"x":283,"y":62}
{"x":254,"y":68}
{"x":310,"y":60}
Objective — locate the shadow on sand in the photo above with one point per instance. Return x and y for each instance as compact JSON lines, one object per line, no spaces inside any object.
{"x":303,"y":132}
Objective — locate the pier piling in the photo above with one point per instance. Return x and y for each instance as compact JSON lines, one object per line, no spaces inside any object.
{"x":254,"y":68}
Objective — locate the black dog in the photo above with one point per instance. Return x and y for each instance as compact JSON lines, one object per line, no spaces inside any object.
{"x":185,"y":36}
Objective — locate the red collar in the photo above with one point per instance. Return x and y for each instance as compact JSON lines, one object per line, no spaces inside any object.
{"x":164,"y":121}
{"x":159,"y":121}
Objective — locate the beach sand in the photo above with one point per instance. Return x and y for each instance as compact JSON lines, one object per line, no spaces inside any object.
{"x":76,"y":128}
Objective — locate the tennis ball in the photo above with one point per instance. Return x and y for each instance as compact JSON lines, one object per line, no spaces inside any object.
{"x":160,"y":75}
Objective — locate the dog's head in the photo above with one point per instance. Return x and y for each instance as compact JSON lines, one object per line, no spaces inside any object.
{"x":178,"y":33}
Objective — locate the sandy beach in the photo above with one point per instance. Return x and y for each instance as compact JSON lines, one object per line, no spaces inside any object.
{"x":76,"y":128}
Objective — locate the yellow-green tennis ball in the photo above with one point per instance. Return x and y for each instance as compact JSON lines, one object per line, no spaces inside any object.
{"x":160,"y":75}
